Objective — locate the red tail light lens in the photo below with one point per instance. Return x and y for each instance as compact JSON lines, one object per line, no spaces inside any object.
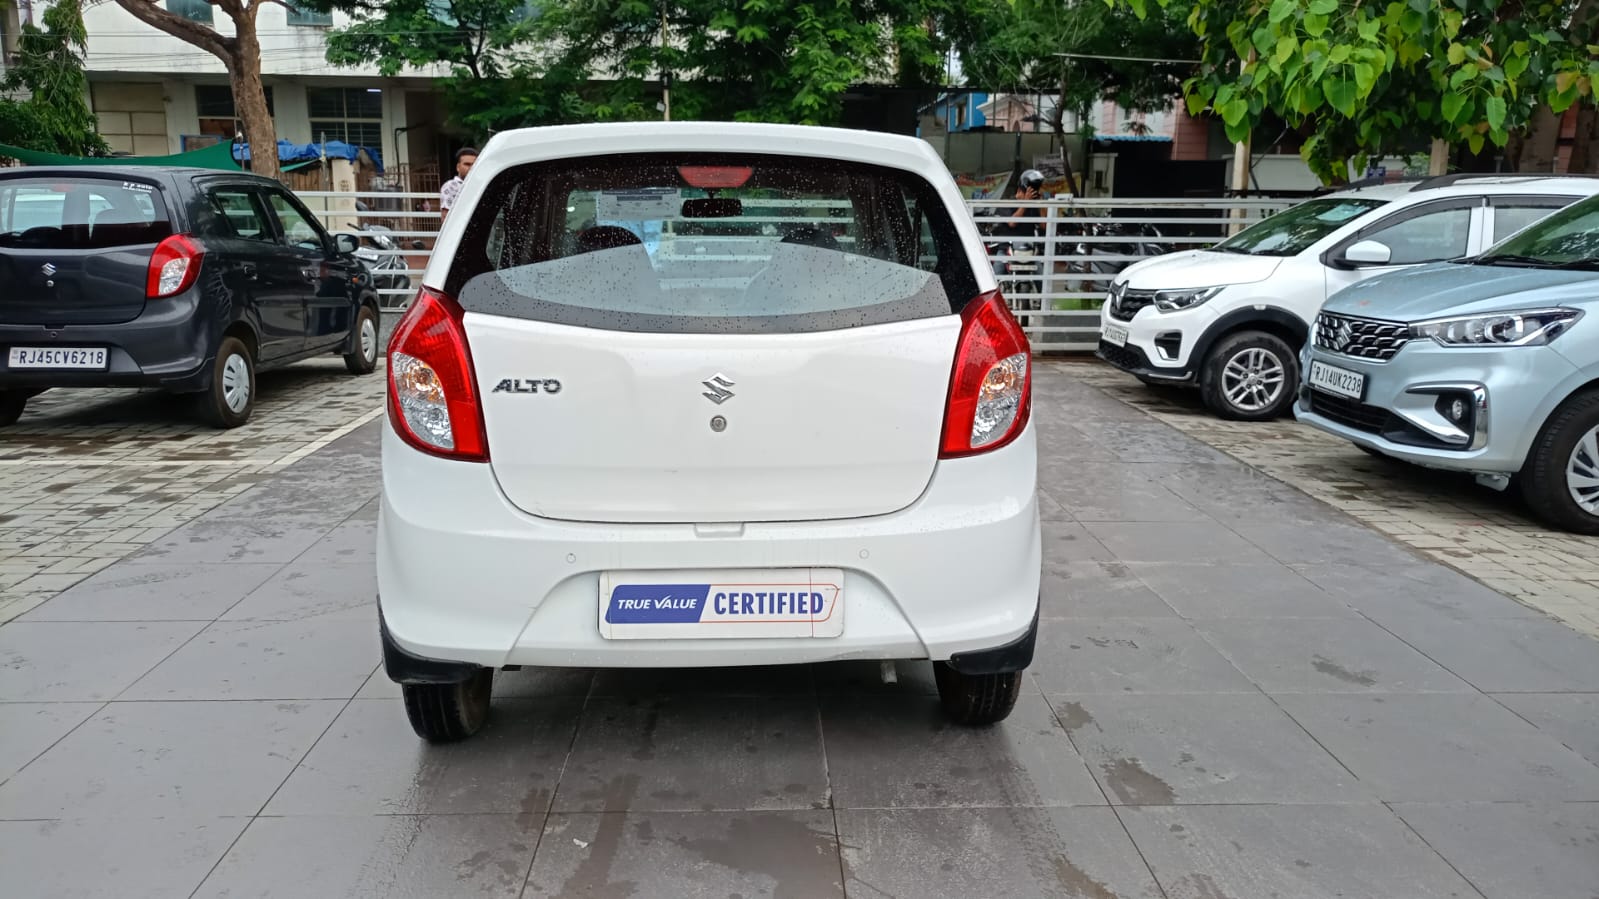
{"x":433,"y":397}
{"x":174,"y":266}
{"x":991,"y":390}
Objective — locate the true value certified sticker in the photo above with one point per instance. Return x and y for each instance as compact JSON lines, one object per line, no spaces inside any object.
{"x":656,"y":605}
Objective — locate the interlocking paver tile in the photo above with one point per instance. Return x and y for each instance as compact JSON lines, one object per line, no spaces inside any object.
{"x":93,"y":476}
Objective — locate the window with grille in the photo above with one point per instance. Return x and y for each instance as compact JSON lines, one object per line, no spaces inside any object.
{"x":213,"y":106}
{"x":193,"y":10}
{"x":350,"y":114}
{"x":310,"y":18}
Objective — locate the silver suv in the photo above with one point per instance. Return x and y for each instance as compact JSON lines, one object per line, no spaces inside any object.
{"x":1488,"y":365}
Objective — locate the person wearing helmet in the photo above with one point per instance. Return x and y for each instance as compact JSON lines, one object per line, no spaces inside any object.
{"x":1028,"y":187}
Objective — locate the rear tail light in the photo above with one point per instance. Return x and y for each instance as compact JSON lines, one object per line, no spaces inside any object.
{"x":991,"y":390}
{"x":433,"y":397}
{"x":174,"y":266}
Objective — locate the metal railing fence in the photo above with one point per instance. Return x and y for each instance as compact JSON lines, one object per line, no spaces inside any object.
{"x":1055,"y":277}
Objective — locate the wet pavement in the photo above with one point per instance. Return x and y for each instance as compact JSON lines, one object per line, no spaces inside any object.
{"x":1445,"y":516}
{"x":1239,"y":692}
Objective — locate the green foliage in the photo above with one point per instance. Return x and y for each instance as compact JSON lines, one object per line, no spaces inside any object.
{"x":1016,"y":45}
{"x":758,"y":60}
{"x":55,"y":117}
{"x":493,"y":80}
{"x":1372,"y":78}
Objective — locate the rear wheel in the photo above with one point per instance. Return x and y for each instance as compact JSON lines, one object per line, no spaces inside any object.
{"x":446,"y":713}
{"x":230,"y":399}
{"x":12,"y":402}
{"x":363,"y":355}
{"x":1250,"y":376}
{"x":1560,"y":480}
{"x":976,"y":699}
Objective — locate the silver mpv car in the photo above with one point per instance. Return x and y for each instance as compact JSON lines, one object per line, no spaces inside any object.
{"x":1487,"y":365}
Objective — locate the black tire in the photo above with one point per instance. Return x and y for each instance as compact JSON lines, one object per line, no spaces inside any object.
{"x":1213,"y":386}
{"x":233,"y":362}
{"x":11,"y":405}
{"x":448,"y":713}
{"x":12,"y":402}
{"x":1543,"y":476}
{"x":976,"y":699}
{"x":363,"y":357}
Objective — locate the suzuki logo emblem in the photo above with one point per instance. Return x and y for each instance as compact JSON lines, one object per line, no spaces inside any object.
{"x":1342,"y":335}
{"x":716,"y":389}
{"x":48,"y":269}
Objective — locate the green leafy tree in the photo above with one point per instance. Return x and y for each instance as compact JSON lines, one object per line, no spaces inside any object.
{"x":494,"y":78}
{"x":1373,"y":78}
{"x":757,"y":60}
{"x":1066,"y":46}
{"x":55,"y":118}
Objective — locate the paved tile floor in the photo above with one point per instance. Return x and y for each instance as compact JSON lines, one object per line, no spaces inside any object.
{"x":1444,"y":516}
{"x":89,"y":477}
{"x":1239,"y":693}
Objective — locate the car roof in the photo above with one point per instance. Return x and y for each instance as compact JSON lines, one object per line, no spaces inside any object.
{"x":557,"y":141}
{"x":1469,"y":184}
{"x":146,"y":172}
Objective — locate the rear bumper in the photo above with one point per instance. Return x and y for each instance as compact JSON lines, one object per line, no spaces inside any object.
{"x":465,"y":577}
{"x":167,"y":346}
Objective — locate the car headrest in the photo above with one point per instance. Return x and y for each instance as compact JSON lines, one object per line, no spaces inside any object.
{"x":604,"y":237}
{"x":811,"y":236}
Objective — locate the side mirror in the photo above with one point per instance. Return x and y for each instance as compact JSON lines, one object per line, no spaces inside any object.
{"x":1368,"y":252}
{"x":346,"y":244}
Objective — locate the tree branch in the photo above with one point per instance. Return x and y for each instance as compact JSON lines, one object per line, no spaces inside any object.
{"x":183,"y":29}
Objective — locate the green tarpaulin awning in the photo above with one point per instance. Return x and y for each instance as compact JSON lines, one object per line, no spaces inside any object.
{"x":216,"y":156}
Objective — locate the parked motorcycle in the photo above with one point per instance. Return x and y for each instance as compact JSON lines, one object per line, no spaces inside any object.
{"x":383,"y":257}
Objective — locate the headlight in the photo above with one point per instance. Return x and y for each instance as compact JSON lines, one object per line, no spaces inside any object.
{"x":1529,"y":327}
{"x":1173,"y":300}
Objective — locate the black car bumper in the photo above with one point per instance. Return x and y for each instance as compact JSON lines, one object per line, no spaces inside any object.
{"x":1132,"y":360}
{"x":169,"y":345}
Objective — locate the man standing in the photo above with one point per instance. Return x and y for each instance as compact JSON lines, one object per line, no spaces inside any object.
{"x":451,"y":191}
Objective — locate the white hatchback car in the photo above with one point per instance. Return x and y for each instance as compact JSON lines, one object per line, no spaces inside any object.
{"x":701,"y":395}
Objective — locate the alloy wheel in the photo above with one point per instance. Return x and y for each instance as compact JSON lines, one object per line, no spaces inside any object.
{"x":1253,"y":379}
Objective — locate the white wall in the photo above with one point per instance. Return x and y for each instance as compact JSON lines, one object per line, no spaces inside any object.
{"x":120,"y":43}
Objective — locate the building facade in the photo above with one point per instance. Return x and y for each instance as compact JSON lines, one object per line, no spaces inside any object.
{"x":155,"y":95}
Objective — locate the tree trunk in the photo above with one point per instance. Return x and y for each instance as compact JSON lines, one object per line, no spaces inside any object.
{"x":249,"y":100}
{"x":1057,"y":122}
{"x":1540,"y":143}
{"x":1584,"y":153}
{"x":240,"y":54}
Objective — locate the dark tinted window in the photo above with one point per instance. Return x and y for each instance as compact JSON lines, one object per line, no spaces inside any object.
{"x":80,"y":213}
{"x":711,"y":244}
{"x":295,"y":225}
{"x":241,"y":214}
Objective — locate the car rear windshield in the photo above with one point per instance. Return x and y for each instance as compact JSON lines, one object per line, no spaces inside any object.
{"x":1292,"y":231}
{"x":699,"y":243}
{"x":80,"y":214}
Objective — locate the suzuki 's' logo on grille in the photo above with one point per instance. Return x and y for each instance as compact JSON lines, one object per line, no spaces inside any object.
{"x":1343,"y":333}
{"x":716,"y":389}
{"x":48,"y":269}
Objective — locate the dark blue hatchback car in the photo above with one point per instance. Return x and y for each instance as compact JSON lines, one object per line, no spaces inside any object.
{"x":186,"y":280}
